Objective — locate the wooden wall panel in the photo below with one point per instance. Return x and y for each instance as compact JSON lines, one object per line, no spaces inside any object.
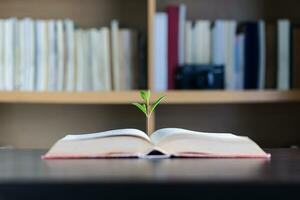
{"x":39,"y":126}
{"x":87,"y":13}
{"x":238,"y":9}
{"x":271,"y":125}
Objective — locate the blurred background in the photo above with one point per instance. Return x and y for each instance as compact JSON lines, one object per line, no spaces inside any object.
{"x":71,"y":66}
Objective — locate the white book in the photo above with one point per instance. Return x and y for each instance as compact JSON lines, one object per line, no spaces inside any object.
{"x":238,"y":76}
{"x":52,"y":55}
{"x":262,"y":54}
{"x":181,"y":31}
{"x":161,"y":52}
{"x":70,"y":55}
{"x":218,"y":43}
{"x":84,"y":62}
{"x":16,"y":57}
{"x":2,"y":55}
{"x":88,"y":80}
{"x":188,"y":43}
{"x":115,"y":54}
{"x":170,"y":142}
{"x":29,"y":54}
{"x":95,"y":59}
{"x":9,"y":61}
{"x":105,"y":70}
{"x":128,"y":59}
{"x":21,"y":68}
{"x":283,"y":75}
{"x":79,"y":60}
{"x":41,"y":56}
{"x":202,"y":40}
{"x":230,"y":32}
{"x":60,"y":55}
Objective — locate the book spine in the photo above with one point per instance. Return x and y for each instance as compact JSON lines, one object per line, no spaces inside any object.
{"x":9,"y":54}
{"x":188,"y":43}
{"x":115,"y":54}
{"x":230,"y":34}
{"x":283,"y":75}
{"x":173,"y":18}
{"x":60,"y":55}
{"x":70,"y":55}
{"x":161,"y":52}
{"x":181,"y":31}
{"x":262,"y":54}
{"x":105,"y":37}
{"x":2,"y":69}
{"x":251,"y":55}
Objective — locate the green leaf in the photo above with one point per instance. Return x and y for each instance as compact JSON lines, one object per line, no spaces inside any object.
{"x":143,"y":95}
{"x":142,"y":107}
{"x":148,"y":95}
{"x":155,"y":104}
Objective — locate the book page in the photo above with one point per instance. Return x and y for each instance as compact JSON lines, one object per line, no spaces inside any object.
{"x":185,"y":143}
{"x":121,"y":146}
{"x":111,"y":133}
{"x":162,"y":134}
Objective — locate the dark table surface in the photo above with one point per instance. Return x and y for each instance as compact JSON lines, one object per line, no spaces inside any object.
{"x":24,"y":174}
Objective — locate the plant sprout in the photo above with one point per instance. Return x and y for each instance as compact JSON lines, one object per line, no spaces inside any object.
{"x":146,"y":107}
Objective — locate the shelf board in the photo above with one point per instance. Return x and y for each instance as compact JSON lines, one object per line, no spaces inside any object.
{"x":222,"y":97}
{"x":172,"y":97}
{"x":124,"y":97}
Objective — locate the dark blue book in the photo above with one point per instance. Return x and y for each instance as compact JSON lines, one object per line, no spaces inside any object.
{"x":251,"y":55}
{"x":199,"y":77}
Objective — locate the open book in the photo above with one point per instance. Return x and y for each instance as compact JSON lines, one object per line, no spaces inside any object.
{"x":168,"y":142}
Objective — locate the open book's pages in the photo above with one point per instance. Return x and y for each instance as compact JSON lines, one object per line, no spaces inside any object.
{"x":169,"y":142}
{"x":186,"y":143}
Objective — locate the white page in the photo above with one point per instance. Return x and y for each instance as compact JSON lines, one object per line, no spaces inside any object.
{"x":163,"y":133}
{"x":111,"y":133}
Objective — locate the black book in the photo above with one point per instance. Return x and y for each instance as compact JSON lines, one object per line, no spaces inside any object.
{"x":199,"y":77}
{"x":142,"y":60}
{"x":251,"y":55}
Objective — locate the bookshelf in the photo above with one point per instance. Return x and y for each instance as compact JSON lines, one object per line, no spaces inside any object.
{"x":60,"y":112}
{"x":173,"y":97}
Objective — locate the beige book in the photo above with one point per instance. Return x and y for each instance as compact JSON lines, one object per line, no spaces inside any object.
{"x":168,"y":142}
{"x":115,"y":54}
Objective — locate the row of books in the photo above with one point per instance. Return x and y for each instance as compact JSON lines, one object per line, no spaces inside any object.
{"x":55,"y":55}
{"x":255,"y":55}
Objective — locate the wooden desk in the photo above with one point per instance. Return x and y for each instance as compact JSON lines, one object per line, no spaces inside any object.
{"x":24,"y":175}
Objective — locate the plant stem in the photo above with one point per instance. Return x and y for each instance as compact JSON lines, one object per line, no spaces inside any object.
{"x":148,"y":125}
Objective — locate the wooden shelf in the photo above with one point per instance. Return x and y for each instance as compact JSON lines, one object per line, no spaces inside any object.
{"x":221,"y":97}
{"x":173,"y":97}
{"x":124,"y":97}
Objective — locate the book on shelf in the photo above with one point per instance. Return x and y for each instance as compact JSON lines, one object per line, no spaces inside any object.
{"x":295,"y":57}
{"x":251,"y":30}
{"x":200,"y":77}
{"x":256,"y":54}
{"x":173,"y":33}
{"x":168,"y":142}
{"x":271,"y":55}
{"x":57,"y":55}
{"x":161,"y":52}
{"x":283,"y":76}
